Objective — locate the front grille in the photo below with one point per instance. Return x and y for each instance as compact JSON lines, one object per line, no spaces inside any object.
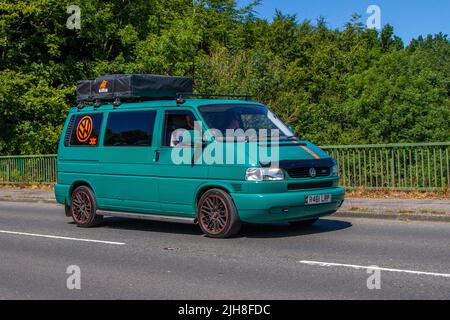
{"x":303,"y":172}
{"x":310,"y":185}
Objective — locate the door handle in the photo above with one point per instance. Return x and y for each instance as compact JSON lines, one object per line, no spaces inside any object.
{"x":156,"y":156}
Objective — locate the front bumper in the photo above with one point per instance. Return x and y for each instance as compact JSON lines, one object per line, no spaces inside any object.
{"x":286,"y":206}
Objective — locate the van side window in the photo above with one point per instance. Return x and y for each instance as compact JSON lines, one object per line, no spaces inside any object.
{"x":86,"y":129}
{"x":174,"y":124}
{"x":130,"y":129}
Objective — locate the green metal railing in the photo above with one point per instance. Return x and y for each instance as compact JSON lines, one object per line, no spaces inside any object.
{"x":413,"y":166}
{"x":39,"y":169}
{"x":409,"y":166}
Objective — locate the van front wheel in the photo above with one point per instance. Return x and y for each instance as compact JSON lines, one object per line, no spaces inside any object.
{"x":217,"y":214}
{"x":83,"y":208}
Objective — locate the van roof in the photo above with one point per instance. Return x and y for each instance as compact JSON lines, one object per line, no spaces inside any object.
{"x":195,"y":103}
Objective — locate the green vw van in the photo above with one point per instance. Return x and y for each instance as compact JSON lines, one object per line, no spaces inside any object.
{"x":122,"y":159}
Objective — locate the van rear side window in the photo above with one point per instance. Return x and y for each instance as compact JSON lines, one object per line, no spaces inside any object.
{"x":130,"y":129}
{"x":86,"y":129}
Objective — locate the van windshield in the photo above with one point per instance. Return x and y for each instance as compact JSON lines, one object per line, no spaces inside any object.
{"x":244,"y":118}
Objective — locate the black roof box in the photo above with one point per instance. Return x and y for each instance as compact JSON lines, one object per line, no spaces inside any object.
{"x":133,"y":87}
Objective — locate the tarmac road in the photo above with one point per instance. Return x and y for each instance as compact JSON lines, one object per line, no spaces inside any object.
{"x":127,"y":259}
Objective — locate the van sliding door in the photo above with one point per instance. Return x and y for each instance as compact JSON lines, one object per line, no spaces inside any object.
{"x":127,"y":162}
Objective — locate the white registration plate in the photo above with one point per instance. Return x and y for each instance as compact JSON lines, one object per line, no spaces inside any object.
{"x":318,"y":199}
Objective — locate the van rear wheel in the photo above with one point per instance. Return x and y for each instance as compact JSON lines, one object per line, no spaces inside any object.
{"x":83,"y":208}
{"x":217,"y":214}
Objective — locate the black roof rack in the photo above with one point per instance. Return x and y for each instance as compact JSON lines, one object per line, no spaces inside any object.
{"x":182,"y":95}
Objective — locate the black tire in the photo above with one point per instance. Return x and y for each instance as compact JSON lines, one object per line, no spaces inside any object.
{"x":304,"y":223}
{"x":217,"y":214}
{"x":83,"y":208}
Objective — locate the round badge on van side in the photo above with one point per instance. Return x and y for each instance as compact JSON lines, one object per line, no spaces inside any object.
{"x":84,"y":129}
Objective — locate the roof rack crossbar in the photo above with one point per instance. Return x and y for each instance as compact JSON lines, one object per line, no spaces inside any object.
{"x":181,"y":95}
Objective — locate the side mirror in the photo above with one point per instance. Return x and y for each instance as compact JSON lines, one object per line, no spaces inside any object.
{"x":184,"y":138}
{"x":292,"y":129}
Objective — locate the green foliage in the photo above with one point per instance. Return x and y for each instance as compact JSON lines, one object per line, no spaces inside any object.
{"x":344,"y":86}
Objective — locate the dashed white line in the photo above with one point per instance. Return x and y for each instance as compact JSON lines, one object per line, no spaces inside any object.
{"x":59,"y":237}
{"x":331,"y":264}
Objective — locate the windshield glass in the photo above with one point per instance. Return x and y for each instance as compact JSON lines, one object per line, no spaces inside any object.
{"x":244,"y":117}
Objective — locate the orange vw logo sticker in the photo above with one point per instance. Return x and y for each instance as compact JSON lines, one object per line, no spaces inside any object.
{"x":84,"y":129}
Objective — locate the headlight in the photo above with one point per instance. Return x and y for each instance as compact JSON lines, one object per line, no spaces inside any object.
{"x":261,"y":174}
{"x":335,"y":169}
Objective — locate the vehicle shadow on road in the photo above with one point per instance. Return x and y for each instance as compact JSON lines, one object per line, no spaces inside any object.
{"x":151,"y":226}
{"x":279,"y":230}
{"x":287,"y":230}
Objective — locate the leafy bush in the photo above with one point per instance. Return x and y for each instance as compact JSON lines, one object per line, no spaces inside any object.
{"x":345,"y":86}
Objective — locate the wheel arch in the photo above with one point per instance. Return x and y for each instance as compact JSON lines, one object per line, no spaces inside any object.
{"x":77,"y":184}
{"x":201,"y":191}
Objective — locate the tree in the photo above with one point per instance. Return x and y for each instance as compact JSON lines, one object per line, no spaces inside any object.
{"x":334,"y":86}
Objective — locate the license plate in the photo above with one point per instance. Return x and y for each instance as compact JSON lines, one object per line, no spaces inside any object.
{"x":318,"y":199}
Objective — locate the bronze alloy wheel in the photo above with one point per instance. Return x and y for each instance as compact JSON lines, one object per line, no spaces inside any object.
{"x":83,"y":208}
{"x":213,"y":214}
{"x":217,"y":214}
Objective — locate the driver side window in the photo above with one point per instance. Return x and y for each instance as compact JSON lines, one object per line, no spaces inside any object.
{"x":176,"y":123}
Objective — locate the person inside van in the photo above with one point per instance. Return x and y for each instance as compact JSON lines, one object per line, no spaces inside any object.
{"x":179,"y":129}
{"x":233,"y":124}
{"x":230,"y":121}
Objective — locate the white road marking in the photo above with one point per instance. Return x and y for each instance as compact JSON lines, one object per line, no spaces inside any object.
{"x":58,"y":237}
{"x":330,"y":264}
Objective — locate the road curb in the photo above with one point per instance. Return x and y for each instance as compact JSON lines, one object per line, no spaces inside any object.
{"x":28,"y":200}
{"x":393,"y":216}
